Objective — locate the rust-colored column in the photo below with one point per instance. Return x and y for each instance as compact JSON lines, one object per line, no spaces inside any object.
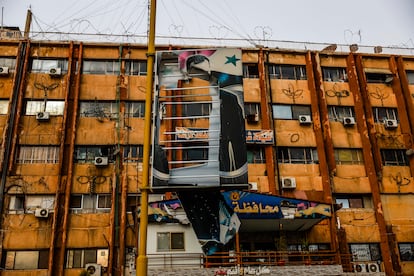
{"x":405,"y":105}
{"x":370,"y":150}
{"x":55,"y":220}
{"x":265,"y":117}
{"x":323,"y":138}
{"x":15,"y":127}
{"x":66,"y":186}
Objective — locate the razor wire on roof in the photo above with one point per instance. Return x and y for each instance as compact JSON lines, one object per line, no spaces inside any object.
{"x":407,"y":49}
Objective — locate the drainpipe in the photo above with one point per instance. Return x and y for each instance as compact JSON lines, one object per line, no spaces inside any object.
{"x":51,"y":260}
{"x":68,"y":184}
{"x":264,"y":107}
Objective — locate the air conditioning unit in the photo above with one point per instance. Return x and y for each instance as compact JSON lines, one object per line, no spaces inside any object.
{"x":349,"y":121}
{"x":94,"y":269}
{"x":4,"y":70}
{"x":288,"y":183}
{"x":390,"y":123}
{"x":55,"y":72}
{"x":101,"y":161}
{"x":253,"y":118}
{"x":42,"y":116}
{"x":253,"y":186}
{"x":41,"y":213}
{"x":305,"y":119}
{"x":373,"y":267}
{"x":360,"y":268}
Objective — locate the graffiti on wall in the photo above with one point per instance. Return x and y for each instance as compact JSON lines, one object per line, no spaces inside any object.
{"x":292,"y":93}
{"x":379,"y":94}
{"x":338,"y":93}
{"x":400,"y":180}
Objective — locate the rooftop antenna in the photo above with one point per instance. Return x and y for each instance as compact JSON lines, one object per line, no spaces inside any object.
{"x":28,"y":23}
{"x":2,"y":10}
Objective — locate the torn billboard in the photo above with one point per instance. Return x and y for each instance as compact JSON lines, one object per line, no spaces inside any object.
{"x":199,"y":129}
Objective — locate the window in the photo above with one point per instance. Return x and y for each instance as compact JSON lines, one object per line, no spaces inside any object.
{"x":133,"y":201}
{"x":133,"y":153}
{"x":406,"y":251}
{"x":104,"y":202}
{"x":338,"y":113}
{"x":16,"y":205}
{"x":4,"y":107}
{"x":410,"y":77}
{"x":135,"y":110}
{"x":383,"y":113}
{"x":290,"y":112}
{"x":44,"y":65}
{"x":87,"y":154}
{"x":195,"y":152}
{"x":101,"y":67}
{"x":255,"y":155}
{"x":251,"y":108}
{"x":78,"y":258}
{"x":100,"y":110}
{"x":297,"y":155}
{"x":87,"y":204}
{"x":350,"y":202}
{"x":167,"y":241}
{"x":9,"y":62}
{"x":20,"y":203}
{"x":136,"y":67}
{"x":53,"y":107}
{"x":349,"y":156}
{"x":26,"y":260}
{"x":191,"y":109}
{"x":285,"y":71}
{"x":394,"y":157}
{"x":378,"y":77}
{"x":365,"y":252}
{"x":250,"y":71}
{"x":37,"y":154}
{"x":334,"y":74}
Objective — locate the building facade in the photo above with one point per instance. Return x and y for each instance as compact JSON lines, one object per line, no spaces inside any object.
{"x":72,"y":115}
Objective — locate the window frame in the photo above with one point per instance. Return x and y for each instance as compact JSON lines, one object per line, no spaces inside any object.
{"x":334,"y":74}
{"x":53,"y":107}
{"x":135,"y":109}
{"x":310,"y":155}
{"x":400,"y":157}
{"x":257,"y":153}
{"x":290,"y":112}
{"x":168,"y":237}
{"x":41,"y":257}
{"x":250,"y":70}
{"x":356,"y":154}
{"x":28,"y":154}
{"x":370,"y":250}
{"x":410,"y":251}
{"x":391,"y":113}
{"x":278,"y":71}
{"x":92,"y":151}
{"x":45,"y":64}
{"x":103,"y":67}
{"x":136,"y":67}
{"x":133,"y":153}
{"x":337,"y":113}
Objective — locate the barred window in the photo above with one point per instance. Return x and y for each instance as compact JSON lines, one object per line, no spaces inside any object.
{"x":133,"y":153}
{"x":255,"y":155}
{"x":37,"y":154}
{"x":287,"y":71}
{"x":384,"y":113}
{"x":406,"y":252}
{"x":394,"y":157}
{"x":338,"y":113}
{"x":297,"y":155}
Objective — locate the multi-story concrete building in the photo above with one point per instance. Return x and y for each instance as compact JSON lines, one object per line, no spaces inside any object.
{"x":72,"y":116}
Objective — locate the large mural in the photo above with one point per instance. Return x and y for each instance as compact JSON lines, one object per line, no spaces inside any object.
{"x":199,"y":129}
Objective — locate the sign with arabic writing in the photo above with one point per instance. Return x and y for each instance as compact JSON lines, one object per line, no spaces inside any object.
{"x":259,"y":136}
{"x":254,"y":206}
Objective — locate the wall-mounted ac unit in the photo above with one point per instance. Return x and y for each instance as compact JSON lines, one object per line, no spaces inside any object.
{"x":253,"y":186}
{"x":360,"y":268}
{"x":42,"y":116}
{"x":4,"y":70}
{"x":373,"y":267}
{"x":252,"y":118}
{"x":55,"y":72}
{"x":305,"y":119}
{"x":41,"y":213}
{"x":94,"y":269}
{"x":101,"y":161}
{"x":388,"y":123}
{"x":349,"y":121}
{"x":288,"y":183}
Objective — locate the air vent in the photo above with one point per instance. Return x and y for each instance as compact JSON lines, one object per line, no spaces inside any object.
{"x":41,"y":213}
{"x":42,"y":116}
{"x":349,"y":121}
{"x":305,"y":119}
{"x":101,"y":161}
{"x":253,"y":186}
{"x":4,"y":71}
{"x":55,"y":72}
{"x":288,"y":183}
{"x":390,"y":124}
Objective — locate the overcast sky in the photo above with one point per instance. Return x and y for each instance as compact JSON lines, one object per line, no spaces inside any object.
{"x":365,"y":22}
